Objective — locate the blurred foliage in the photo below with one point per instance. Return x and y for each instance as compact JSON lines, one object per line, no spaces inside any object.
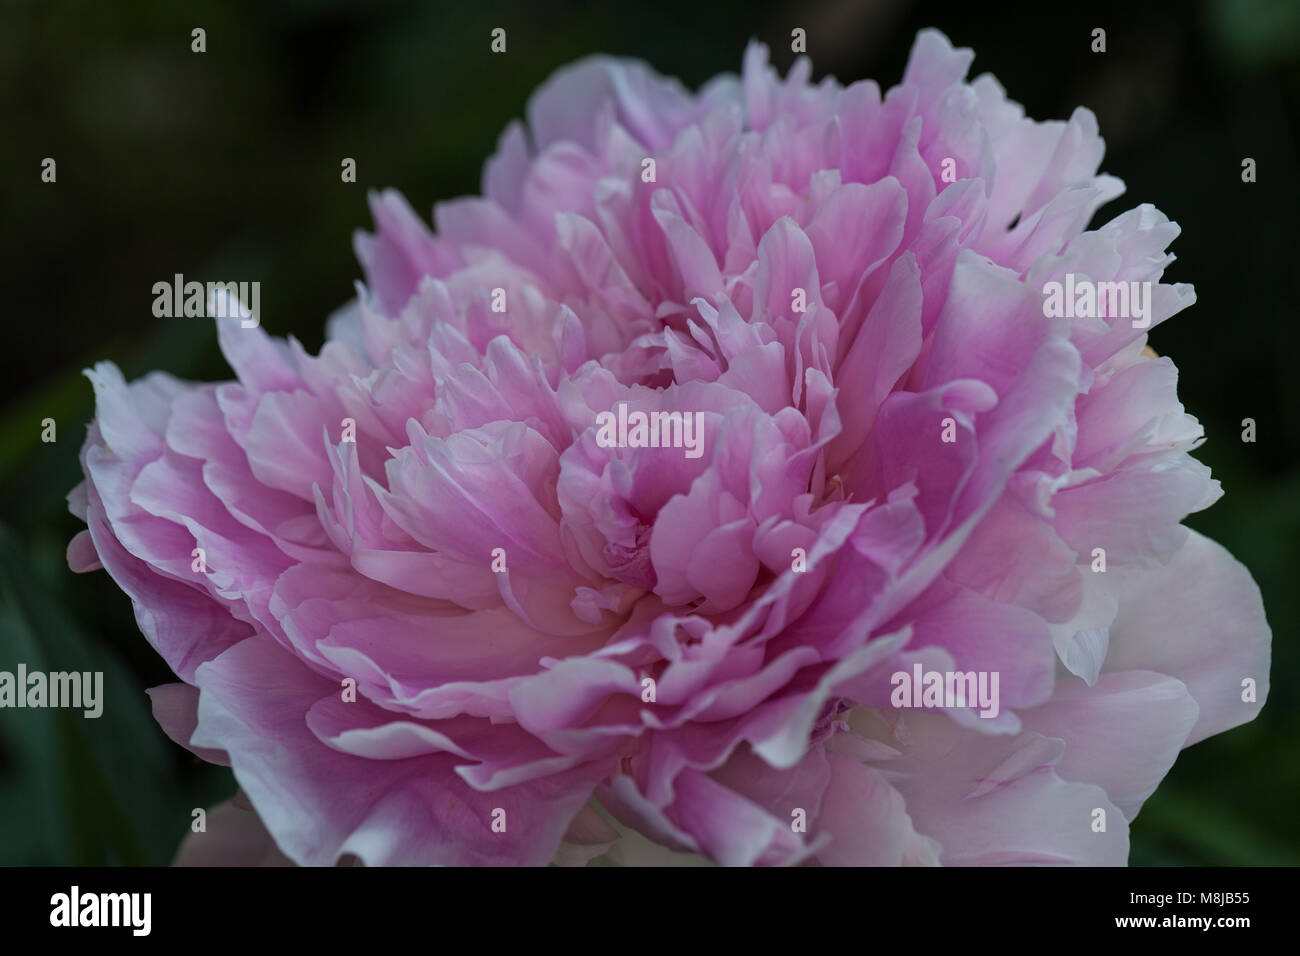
{"x":226,"y":164}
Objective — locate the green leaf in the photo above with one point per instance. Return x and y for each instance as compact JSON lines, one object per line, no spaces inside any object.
{"x":77,"y":790}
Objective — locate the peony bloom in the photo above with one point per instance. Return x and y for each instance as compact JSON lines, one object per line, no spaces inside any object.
{"x":432,"y":607}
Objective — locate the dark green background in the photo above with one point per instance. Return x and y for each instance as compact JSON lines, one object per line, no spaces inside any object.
{"x":226,"y":164}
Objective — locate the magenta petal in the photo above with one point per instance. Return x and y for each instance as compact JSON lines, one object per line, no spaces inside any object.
{"x":176,"y":708}
{"x":232,"y":837}
{"x":432,"y":610}
{"x":252,"y":704}
{"x":1097,"y":725}
{"x":1199,"y":619}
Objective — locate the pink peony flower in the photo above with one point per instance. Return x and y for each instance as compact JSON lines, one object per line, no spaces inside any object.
{"x":435,"y":602}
